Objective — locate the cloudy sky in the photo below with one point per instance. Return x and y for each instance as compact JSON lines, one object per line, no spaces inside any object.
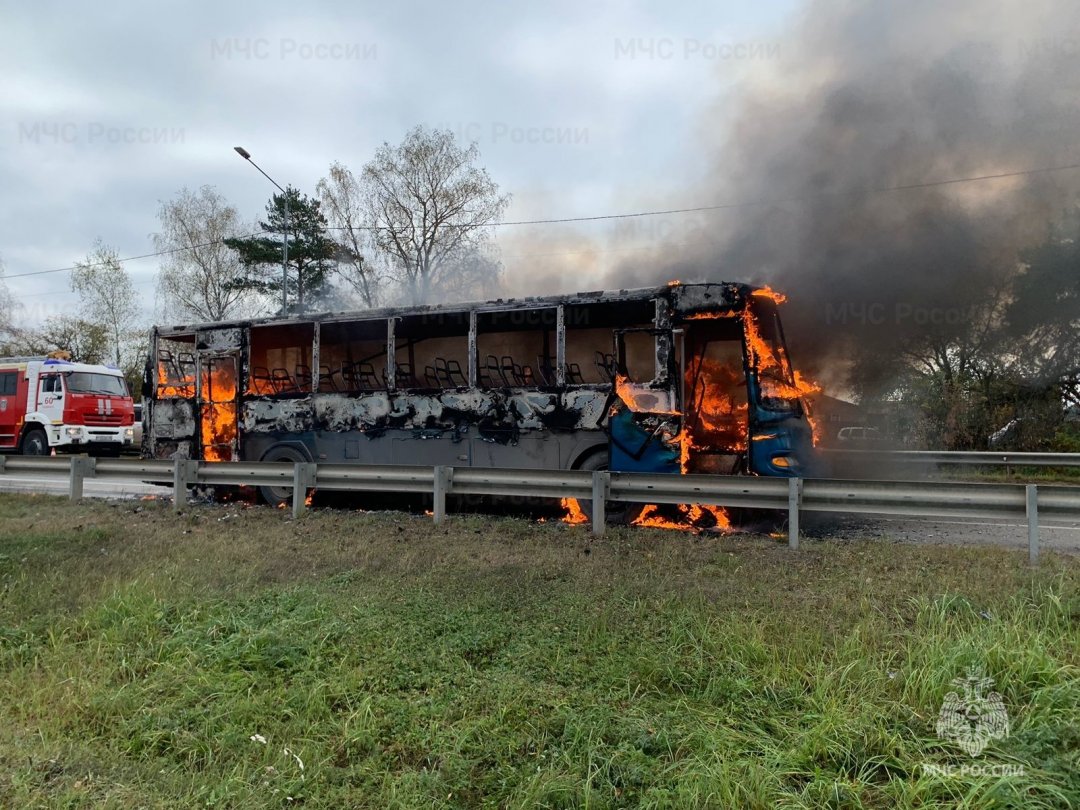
{"x":579,"y":109}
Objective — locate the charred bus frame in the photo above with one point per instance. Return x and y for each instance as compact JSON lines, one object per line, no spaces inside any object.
{"x":680,"y":378}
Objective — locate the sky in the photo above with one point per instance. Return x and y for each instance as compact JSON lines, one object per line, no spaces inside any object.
{"x":578,"y":110}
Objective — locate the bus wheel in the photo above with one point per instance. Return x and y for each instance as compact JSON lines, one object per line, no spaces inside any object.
{"x":278,"y":495}
{"x":619,"y":513}
{"x":34,"y":443}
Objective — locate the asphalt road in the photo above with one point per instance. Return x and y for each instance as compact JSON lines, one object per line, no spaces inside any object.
{"x":1058,"y":535}
{"x":53,"y":485}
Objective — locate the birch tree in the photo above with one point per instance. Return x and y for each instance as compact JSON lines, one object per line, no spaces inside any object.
{"x":342,"y":201}
{"x":195,"y":280}
{"x":107,"y":297}
{"x":430,"y":209}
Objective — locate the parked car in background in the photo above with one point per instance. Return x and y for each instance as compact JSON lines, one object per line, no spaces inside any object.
{"x":858,"y":437}
{"x":1005,"y":435}
{"x":137,"y":438}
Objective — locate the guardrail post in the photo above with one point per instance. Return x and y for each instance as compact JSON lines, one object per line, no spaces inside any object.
{"x":3,"y":461}
{"x":1032,"y":493}
{"x":81,"y":466}
{"x":303,"y":479}
{"x":444,"y":477}
{"x":601,"y":480}
{"x":185,"y":472}
{"x":794,"y":498}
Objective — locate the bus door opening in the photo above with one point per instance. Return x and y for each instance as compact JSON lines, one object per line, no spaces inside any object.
{"x":218,"y":411}
{"x":714,"y":395}
{"x":644,"y":416}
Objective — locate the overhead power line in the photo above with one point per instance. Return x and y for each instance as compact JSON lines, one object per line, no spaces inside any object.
{"x":125,"y":259}
{"x":665,"y":212}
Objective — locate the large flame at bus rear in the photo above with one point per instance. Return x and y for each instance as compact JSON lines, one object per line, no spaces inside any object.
{"x":218,"y":428}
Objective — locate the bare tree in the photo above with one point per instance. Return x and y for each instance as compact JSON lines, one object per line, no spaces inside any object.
{"x":1044,"y":311}
{"x":343,"y":205}
{"x":86,"y":341}
{"x":195,"y":278}
{"x":430,"y":209}
{"x":108,"y":298}
{"x":7,"y":311}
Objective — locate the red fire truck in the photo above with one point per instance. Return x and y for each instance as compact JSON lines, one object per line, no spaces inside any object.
{"x":49,"y":403}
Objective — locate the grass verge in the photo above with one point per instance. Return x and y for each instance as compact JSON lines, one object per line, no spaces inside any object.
{"x":1012,"y":475}
{"x":231,"y":657}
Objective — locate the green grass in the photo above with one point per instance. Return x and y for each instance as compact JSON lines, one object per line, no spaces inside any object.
{"x":498,"y":662}
{"x":1014,"y":475}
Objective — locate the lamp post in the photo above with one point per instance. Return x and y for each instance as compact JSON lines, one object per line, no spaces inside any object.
{"x":242,"y":152}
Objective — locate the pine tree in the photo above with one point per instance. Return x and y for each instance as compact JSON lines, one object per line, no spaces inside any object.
{"x":312,"y":254}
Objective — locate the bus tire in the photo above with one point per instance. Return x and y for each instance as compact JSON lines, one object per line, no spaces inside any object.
{"x":34,"y":443}
{"x":278,"y":495}
{"x":618,"y":513}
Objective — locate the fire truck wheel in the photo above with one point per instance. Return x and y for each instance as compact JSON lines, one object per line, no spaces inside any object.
{"x":275,"y":496}
{"x":34,"y":443}
{"x":619,"y":513}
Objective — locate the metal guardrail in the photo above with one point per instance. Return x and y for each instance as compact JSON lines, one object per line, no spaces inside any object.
{"x":950,"y":457}
{"x":919,"y":499}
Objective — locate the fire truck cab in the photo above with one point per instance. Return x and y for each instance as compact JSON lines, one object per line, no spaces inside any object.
{"x":49,"y":403}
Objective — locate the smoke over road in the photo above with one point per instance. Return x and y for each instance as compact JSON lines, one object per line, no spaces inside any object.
{"x":868,"y":96}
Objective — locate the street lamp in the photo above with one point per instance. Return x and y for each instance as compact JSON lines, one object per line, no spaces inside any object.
{"x":242,"y":152}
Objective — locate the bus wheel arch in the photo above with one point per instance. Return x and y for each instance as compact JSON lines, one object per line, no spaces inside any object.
{"x":589,"y":456}
{"x":295,"y":452}
{"x":619,"y":513}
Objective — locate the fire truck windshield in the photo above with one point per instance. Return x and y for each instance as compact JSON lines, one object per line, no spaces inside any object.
{"x":85,"y":382}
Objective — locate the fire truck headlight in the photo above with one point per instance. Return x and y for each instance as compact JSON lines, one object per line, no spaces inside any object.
{"x":74,"y":432}
{"x":129,"y":433}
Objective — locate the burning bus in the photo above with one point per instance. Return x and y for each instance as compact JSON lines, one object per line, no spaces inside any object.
{"x":685,"y":378}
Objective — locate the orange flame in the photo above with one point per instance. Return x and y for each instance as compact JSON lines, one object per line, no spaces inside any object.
{"x":774,"y":368}
{"x":719,"y":417}
{"x":763,"y":355}
{"x":172,"y":386}
{"x":770,"y":293}
{"x":259,"y":386}
{"x":684,"y":516}
{"x":310,"y":497}
{"x":808,"y":388}
{"x":705,"y":316}
{"x":573,"y":515}
{"x":640,"y":400}
{"x":218,"y":422}
{"x":716,"y":416}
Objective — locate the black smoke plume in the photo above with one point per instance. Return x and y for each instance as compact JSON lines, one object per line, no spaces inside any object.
{"x":871,"y":96}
